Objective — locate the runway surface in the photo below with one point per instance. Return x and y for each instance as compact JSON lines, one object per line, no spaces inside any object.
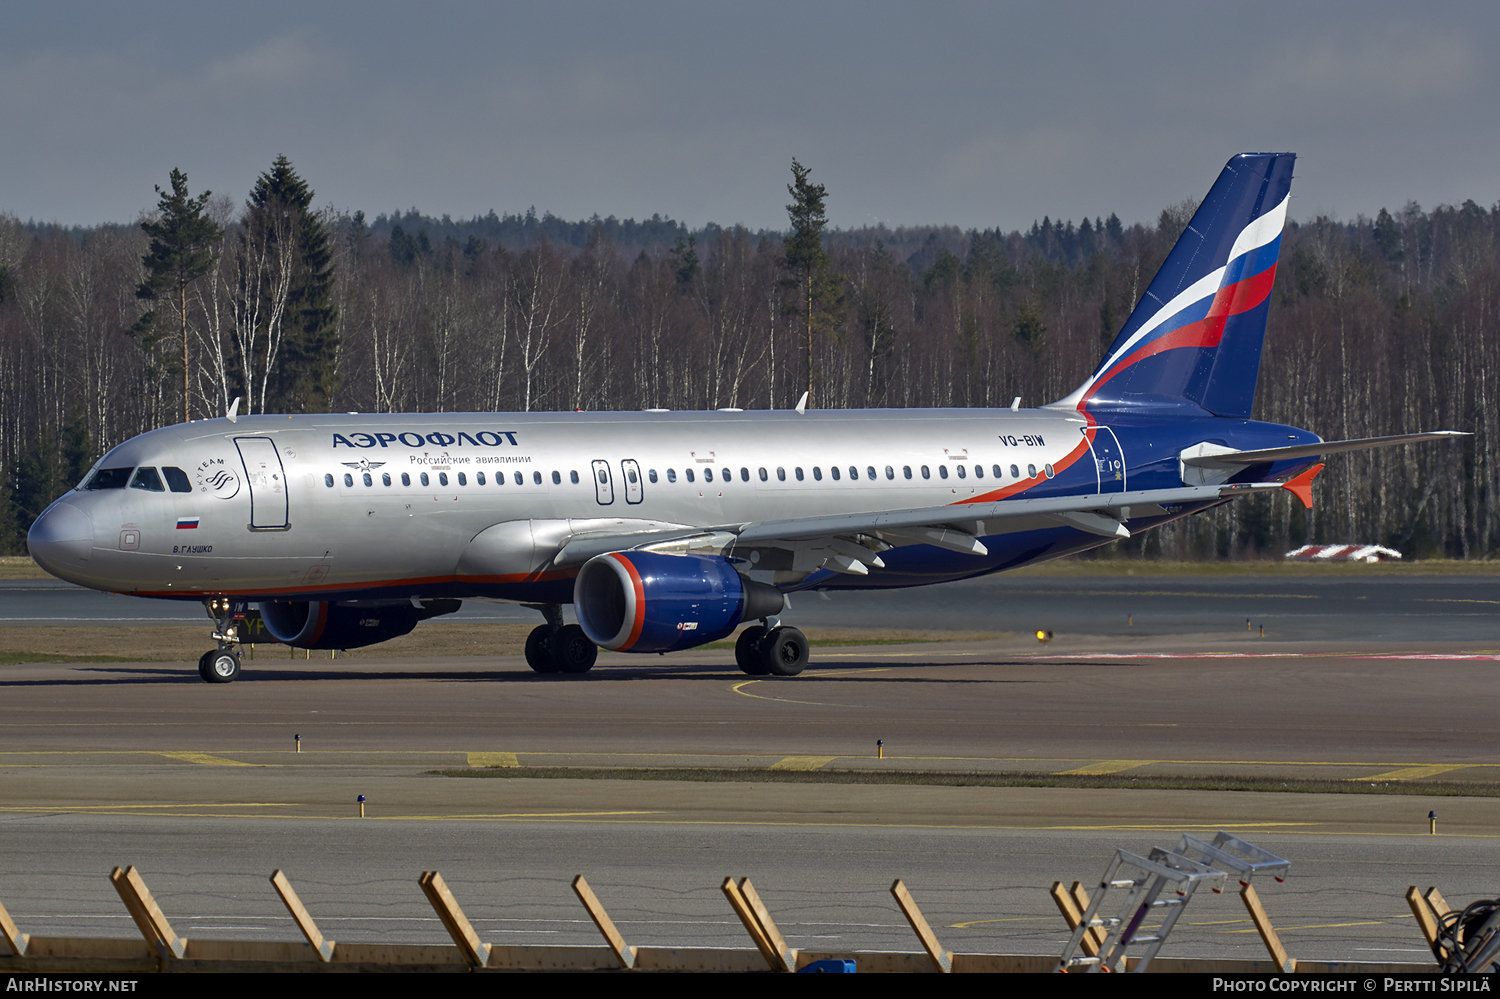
{"x":199,"y":785}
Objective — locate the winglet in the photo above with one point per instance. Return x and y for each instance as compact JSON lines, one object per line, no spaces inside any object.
{"x":802,"y":405}
{"x":234,"y":408}
{"x":1301,"y":486}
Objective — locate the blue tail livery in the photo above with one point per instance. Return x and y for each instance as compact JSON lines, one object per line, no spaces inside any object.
{"x":1194,"y":340}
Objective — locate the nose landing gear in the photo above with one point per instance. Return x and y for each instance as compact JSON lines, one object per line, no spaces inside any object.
{"x":221,"y":665}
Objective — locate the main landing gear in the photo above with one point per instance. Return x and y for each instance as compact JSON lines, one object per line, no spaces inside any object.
{"x":555,"y":647}
{"x":762,"y":651}
{"x":222,"y":665}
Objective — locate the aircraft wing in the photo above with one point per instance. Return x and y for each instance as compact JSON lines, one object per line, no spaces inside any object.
{"x":956,"y":527}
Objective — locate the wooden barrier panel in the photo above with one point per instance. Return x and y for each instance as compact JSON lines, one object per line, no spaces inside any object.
{"x":301,"y":917}
{"x":1426,"y":922}
{"x":624,"y":953}
{"x":149,"y":918}
{"x":13,"y":936}
{"x":1268,"y":935}
{"x":941,"y":959}
{"x":454,"y":921}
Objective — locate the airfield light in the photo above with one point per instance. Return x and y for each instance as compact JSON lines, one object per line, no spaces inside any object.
{"x":361,"y":800}
{"x":1043,"y":636}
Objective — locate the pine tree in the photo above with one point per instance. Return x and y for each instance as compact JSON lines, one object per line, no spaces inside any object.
{"x":821,"y":289}
{"x":303,"y":372}
{"x":182,"y":240}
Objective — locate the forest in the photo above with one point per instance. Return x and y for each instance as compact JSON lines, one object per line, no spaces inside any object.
{"x":1377,"y":326}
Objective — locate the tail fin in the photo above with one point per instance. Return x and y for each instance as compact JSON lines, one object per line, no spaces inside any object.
{"x":1195,"y":337}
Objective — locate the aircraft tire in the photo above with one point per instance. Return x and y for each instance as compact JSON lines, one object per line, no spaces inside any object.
{"x":222,"y":667}
{"x":571,"y":650}
{"x":784,"y":652}
{"x":539,"y":650}
{"x":204,"y":664}
{"x":747,"y":651}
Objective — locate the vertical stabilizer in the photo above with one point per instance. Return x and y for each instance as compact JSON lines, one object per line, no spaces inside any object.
{"x":1194,"y":339}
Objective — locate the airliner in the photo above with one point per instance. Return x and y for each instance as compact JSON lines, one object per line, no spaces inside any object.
{"x":669,"y":530}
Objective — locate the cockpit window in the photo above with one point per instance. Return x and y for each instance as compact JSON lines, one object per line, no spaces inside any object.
{"x":109,"y":478}
{"x":147,"y":479}
{"x":177,"y":479}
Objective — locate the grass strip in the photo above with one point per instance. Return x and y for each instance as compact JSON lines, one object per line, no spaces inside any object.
{"x":1463,"y":789}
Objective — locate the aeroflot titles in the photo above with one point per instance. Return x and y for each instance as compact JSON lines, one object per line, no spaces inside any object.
{"x":484,"y":438}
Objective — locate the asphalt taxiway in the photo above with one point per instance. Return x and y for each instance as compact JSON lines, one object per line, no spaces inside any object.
{"x":200,"y":786}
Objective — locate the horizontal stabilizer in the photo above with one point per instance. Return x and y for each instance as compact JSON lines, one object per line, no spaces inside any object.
{"x":1313,"y":450}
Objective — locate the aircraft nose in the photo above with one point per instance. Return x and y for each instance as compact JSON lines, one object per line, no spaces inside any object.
{"x":61,"y":538}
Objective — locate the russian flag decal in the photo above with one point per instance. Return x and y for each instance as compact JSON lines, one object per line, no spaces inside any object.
{"x":187,"y":523}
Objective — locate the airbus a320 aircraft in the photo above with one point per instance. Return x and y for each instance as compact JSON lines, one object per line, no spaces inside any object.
{"x":668,"y":530}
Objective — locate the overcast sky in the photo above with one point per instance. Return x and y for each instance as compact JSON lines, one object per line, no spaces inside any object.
{"x":978,"y":115}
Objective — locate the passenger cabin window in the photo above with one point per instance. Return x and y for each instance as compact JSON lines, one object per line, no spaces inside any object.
{"x":519,"y":481}
{"x":1031,"y":471}
{"x":1048,"y":470}
{"x":890,"y":473}
{"x":745,"y":474}
{"x":147,"y":479}
{"x":1015,"y":472}
{"x":961,"y":473}
{"x":926,"y":472}
{"x":943,"y":471}
{"x":817,"y":474}
{"x":557,"y":478}
{"x":478,"y":479}
{"x":572,"y":477}
{"x":349,"y":481}
{"x":978,"y":471}
{"x":442,"y":478}
{"x":368,"y":480}
{"x":651,"y":475}
{"x":834,"y":471}
{"x":423,"y":479}
{"x":998,"y":474}
{"x":689,"y":473}
{"x":765,"y":477}
{"x":780,"y":474}
{"x":177,"y":479}
{"x":463,"y":479}
{"x":671,"y":475}
{"x":536,"y":478}
{"x":799,"y":473}
{"x":328,"y":481}
{"x":109,"y":478}
{"x":906,"y":470}
{"x":385,"y":478}
{"x":405,"y":479}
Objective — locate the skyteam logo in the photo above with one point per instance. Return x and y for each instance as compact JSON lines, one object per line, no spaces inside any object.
{"x":217,"y":479}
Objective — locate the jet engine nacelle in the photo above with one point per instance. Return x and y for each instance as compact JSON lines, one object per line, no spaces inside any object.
{"x":320,"y":624}
{"x":650,"y":602}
